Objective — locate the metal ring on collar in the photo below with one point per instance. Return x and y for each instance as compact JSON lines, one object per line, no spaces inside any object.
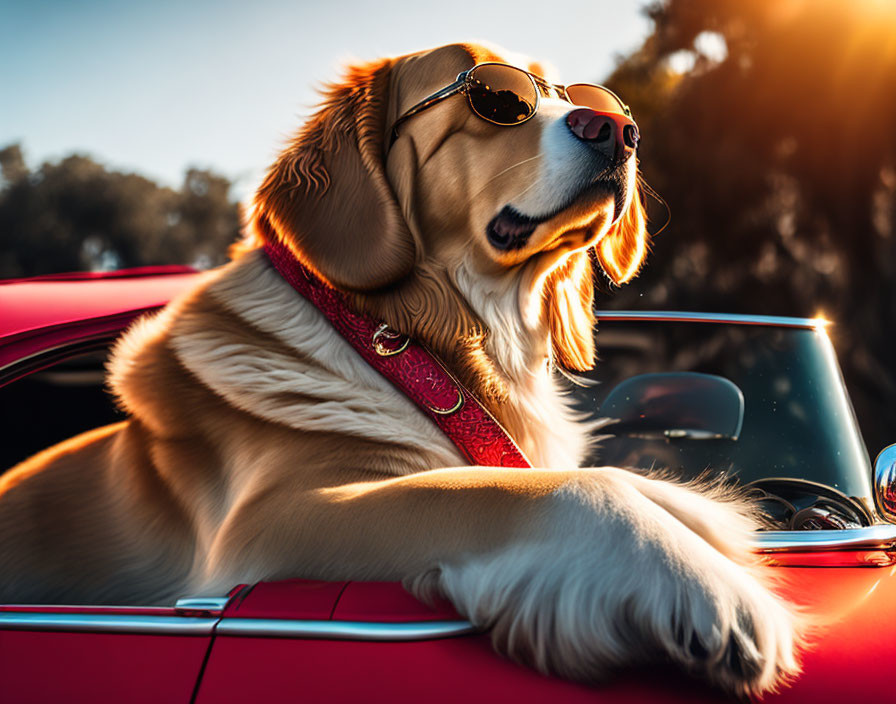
{"x":383,"y":331}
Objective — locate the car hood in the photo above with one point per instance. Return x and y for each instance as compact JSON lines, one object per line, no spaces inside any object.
{"x":851,"y":647}
{"x":850,"y":604}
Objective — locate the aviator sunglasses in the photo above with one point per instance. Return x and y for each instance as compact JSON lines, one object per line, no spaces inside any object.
{"x":506,"y":95}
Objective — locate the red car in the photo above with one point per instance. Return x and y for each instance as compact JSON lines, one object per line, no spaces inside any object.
{"x":758,"y":398}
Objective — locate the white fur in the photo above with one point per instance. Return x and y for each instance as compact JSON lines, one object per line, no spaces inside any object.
{"x":322,"y":385}
{"x":554,"y":436}
{"x":611,"y":577}
{"x":566,"y":167}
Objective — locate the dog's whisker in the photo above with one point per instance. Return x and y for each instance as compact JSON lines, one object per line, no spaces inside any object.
{"x":649,"y":190}
{"x":525,"y":190}
{"x":501,"y":173}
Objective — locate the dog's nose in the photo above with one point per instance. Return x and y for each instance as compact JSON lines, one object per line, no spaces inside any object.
{"x":613,"y":135}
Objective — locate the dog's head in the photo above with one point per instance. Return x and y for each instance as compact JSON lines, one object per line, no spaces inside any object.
{"x":521,"y":207}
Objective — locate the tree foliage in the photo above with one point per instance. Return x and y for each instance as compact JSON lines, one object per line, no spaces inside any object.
{"x":777,"y":158}
{"x":76,"y":214}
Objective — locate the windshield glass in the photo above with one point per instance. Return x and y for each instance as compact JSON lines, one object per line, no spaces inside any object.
{"x":797,"y":421}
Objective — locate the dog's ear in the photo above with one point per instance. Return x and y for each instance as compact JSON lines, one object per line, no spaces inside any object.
{"x":622,"y":250}
{"x":570,"y":294}
{"x":327,"y":196}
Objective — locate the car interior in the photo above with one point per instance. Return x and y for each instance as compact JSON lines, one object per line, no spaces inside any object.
{"x":51,"y":405}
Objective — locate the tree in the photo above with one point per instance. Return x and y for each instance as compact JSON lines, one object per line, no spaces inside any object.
{"x":76,"y":214}
{"x":777,"y":158}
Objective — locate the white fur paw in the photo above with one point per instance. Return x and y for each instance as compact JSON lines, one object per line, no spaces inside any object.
{"x":729,"y":628}
{"x":612,"y":578}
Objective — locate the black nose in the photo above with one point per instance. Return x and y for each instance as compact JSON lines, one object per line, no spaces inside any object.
{"x":613,"y":135}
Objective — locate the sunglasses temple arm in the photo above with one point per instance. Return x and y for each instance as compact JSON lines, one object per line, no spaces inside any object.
{"x":429,"y":101}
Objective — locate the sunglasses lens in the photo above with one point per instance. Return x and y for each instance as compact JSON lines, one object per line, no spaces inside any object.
{"x":502,"y":94}
{"x":595,"y":97}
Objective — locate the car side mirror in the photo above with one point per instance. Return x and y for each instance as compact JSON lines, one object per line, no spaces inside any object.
{"x":884,"y":482}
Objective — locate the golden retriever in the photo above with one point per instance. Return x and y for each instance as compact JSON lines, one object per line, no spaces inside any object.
{"x":261,"y":446}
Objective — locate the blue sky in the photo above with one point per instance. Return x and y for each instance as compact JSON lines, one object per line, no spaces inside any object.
{"x":157,"y":87}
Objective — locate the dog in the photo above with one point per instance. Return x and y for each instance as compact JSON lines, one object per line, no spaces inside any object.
{"x":260,"y":445}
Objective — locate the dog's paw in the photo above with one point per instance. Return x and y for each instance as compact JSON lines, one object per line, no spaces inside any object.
{"x":613,"y":578}
{"x":724,"y":623}
{"x":726,"y":626}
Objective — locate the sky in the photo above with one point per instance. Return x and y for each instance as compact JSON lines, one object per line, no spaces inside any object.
{"x":157,"y":87}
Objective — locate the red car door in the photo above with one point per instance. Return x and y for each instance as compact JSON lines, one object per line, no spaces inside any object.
{"x":104,"y":653}
{"x":373,"y":642}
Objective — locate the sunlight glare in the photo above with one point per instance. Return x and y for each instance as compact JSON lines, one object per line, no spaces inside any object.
{"x":880,"y":10}
{"x":820,"y":321}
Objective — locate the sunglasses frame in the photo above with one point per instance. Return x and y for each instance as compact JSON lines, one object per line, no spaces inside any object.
{"x":464,"y":80}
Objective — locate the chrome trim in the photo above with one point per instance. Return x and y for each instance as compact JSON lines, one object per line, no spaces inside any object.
{"x":83,"y":345}
{"x":342,"y":630}
{"x":690,"y":317}
{"x":883,"y":483}
{"x":106,"y":623}
{"x":202,"y":603}
{"x":876,"y":537}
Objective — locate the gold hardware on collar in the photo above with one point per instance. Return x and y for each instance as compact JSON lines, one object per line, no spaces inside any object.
{"x":449,"y":411}
{"x":384,"y":332}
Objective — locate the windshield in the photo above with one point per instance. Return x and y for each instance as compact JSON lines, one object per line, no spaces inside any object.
{"x":795,"y":417}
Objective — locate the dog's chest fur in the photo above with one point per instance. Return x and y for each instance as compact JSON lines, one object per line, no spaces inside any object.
{"x":263,"y":349}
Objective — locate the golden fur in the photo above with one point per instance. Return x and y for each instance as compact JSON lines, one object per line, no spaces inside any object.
{"x":260,"y":446}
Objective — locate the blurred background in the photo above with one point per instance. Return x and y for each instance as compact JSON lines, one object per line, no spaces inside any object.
{"x":131,"y":132}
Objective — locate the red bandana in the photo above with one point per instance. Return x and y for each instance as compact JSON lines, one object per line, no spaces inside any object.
{"x":412,"y":368}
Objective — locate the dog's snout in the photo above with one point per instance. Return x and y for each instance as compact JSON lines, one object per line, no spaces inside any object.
{"x":614,"y":136}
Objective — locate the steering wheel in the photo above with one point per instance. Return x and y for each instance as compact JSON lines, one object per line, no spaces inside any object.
{"x":800,"y":504}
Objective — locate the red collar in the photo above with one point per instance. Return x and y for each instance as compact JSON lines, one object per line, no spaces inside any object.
{"x":411,"y":367}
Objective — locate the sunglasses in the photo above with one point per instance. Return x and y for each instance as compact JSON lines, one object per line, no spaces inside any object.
{"x":506,"y":95}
